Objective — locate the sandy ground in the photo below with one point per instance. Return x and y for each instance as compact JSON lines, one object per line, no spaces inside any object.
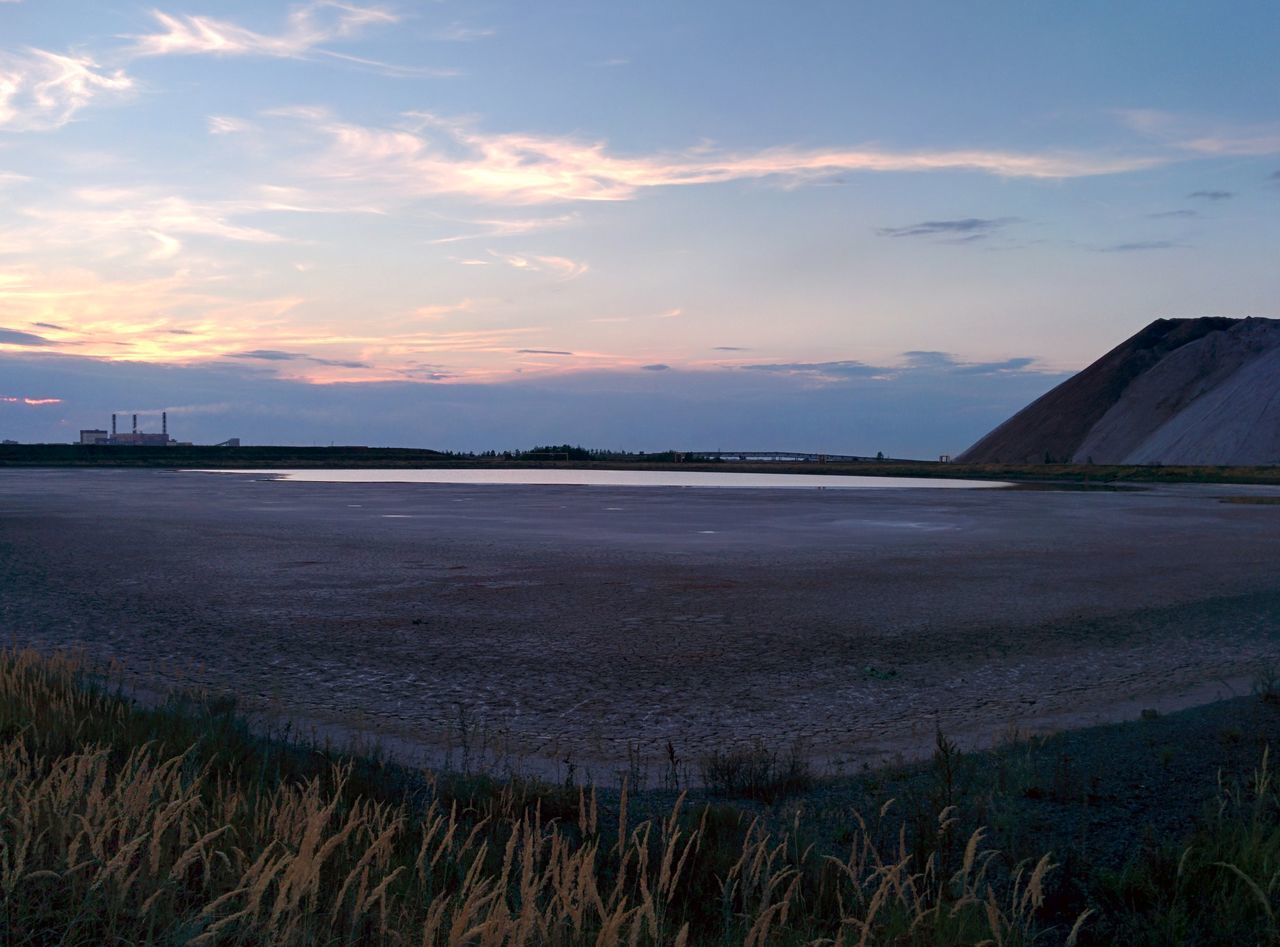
{"x":578,"y":622}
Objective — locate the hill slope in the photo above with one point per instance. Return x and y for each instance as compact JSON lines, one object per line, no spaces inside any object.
{"x":1181,"y":391}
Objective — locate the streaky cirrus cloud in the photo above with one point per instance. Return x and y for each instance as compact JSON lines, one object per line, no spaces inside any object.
{"x":33,"y":402}
{"x":42,"y":90}
{"x":1138,"y":246}
{"x":1212,"y":195}
{"x":925,"y":363}
{"x":826,"y":371}
{"x":276,"y":355}
{"x":149,"y":223}
{"x":306,"y":28}
{"x":1200,"y":136}
{"x":461,"y":33}
{"x":432,"y":155}
{"x":134,"y":220}
{"x":971,"y":227}
{"x":489,"y":229}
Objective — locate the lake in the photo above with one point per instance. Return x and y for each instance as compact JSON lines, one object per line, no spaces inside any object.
{"x":614,"y":478}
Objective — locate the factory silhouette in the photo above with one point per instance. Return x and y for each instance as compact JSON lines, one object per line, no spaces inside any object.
{"x":136,"y":438}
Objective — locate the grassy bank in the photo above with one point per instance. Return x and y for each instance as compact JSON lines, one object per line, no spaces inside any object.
{"x":177,"y":824}
{"x":75,"y":455}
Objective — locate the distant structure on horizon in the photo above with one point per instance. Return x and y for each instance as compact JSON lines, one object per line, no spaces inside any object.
{"x":135,"y":438}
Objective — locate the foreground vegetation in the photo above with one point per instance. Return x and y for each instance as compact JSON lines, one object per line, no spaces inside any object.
{"x":175,"y":824}
{"x":567,"y":456}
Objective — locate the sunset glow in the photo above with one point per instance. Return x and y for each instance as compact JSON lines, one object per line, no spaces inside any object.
{"x":425,"y":195}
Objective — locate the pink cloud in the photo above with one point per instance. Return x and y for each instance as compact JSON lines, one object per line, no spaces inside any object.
{"x":439,"y":156}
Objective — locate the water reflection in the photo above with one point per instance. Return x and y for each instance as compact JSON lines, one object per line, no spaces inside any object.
{"x":616,"y":478}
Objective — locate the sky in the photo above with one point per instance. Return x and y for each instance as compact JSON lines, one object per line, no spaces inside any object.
{"x":831,"y":226}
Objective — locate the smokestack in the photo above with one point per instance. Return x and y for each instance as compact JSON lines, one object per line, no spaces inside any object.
{"x":113,"y":425}
{"x":135,"y":424}
{"x":164,"y":423}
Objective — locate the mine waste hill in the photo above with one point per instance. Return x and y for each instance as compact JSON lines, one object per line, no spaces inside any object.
{"x":1182,"y":391}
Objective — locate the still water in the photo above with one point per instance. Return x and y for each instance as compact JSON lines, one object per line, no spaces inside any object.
{"x":614,"y":478}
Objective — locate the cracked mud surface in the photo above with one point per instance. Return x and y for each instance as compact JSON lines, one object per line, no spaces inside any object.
{"x":574,"y":622}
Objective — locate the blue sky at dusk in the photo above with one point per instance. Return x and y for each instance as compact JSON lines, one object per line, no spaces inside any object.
{"x":832,"y":226}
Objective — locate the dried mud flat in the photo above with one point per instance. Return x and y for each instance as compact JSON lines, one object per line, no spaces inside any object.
{"x":576,"y":623}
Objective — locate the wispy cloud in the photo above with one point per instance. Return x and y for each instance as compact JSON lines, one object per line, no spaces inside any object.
{"x":306,"y":28}
{"x":137,"y":220}
{"x":913,"y":363}
{"x":1202,"y":136}
{"x":275,"y":355}
{"x":42,"y":90}
{"x":440,"y":310}
{"x":150,"y":224}
{"x":541,"y":352}
{"x":1166,"y":214}
{"x":1140,"y":245}
{"x":826,"y":371}
{"x":432,"y":156}
{"x":657,"y":367}
{"x":561,"y":267}
{"x":462,"y":33}
{"x":1212,"y":195}
{"x":489,"y":229}
{"x":228,"y":125}
{"x":970,"y":228}
{"x":28,"y":401}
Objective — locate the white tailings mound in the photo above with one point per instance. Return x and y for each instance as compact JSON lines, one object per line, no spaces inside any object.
{"x":1236,"y":423}
{"x":1181,"y":391}
{"x":1213,"y":401}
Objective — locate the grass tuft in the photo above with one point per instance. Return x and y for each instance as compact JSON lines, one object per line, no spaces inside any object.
{"x":758,"y":773}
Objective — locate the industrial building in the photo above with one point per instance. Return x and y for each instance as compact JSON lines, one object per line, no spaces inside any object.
{"x":135,"y":438}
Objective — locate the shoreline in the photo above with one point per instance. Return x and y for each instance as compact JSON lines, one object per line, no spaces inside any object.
{"x":582,"y":624}
{"x":55,"y":456}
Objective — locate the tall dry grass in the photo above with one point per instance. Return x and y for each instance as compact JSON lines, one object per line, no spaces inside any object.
{"x":175,"y":825}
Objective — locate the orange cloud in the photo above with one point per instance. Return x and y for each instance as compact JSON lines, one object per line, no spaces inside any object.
{"x":9,"y":399}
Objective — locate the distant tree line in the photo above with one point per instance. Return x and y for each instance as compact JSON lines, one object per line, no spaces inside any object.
{"x":562,"y":452}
